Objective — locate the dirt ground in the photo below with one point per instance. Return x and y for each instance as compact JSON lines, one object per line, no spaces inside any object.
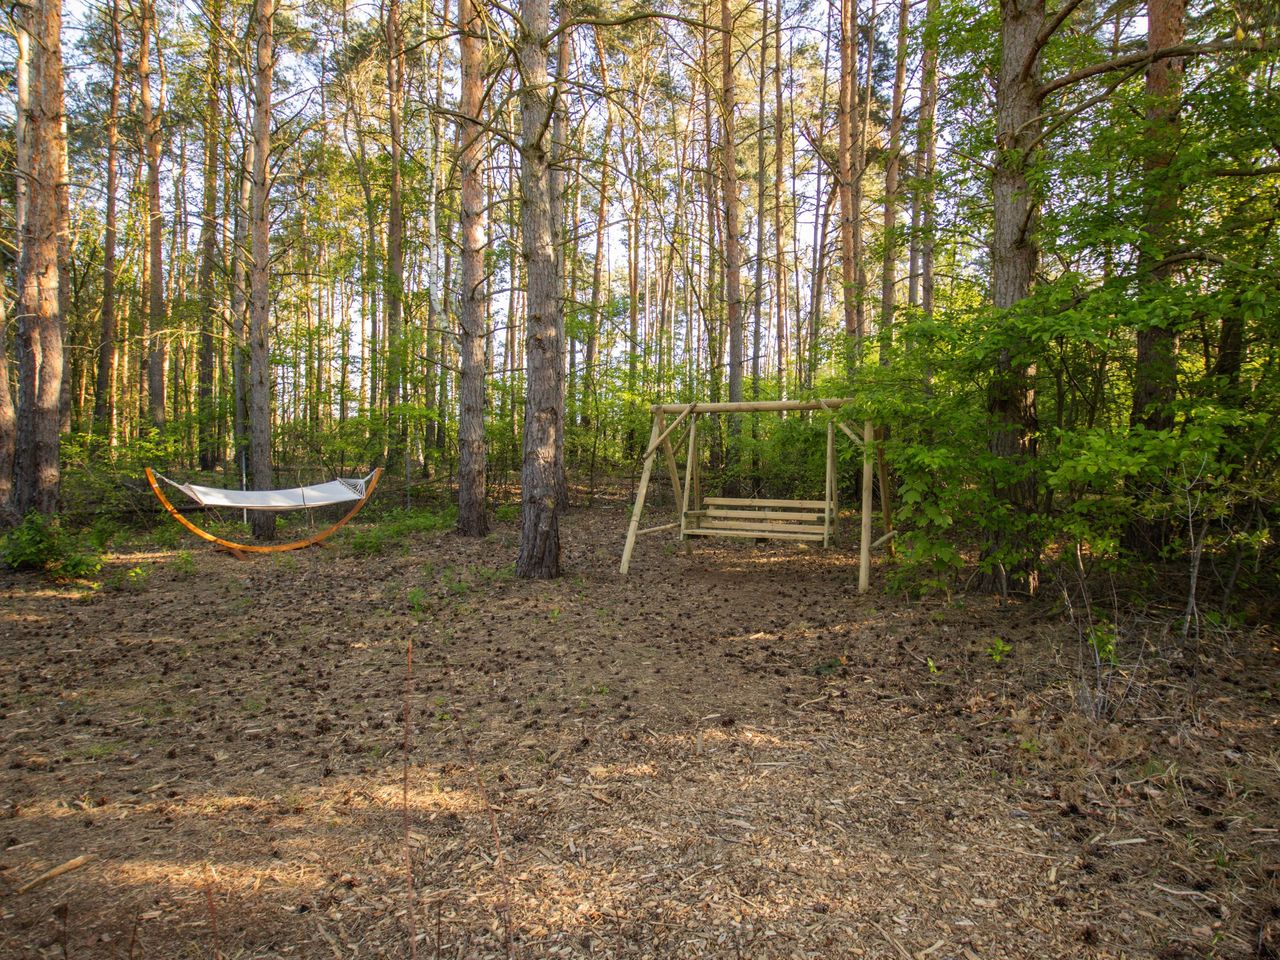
{"x":729,"y":754}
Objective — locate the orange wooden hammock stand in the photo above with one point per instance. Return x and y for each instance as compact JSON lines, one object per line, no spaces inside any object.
{"x":239,"y":548}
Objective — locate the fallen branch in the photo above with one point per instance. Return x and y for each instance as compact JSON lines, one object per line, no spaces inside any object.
{"x":73,"y":864}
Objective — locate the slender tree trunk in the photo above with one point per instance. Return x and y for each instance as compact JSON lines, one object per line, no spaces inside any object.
{"x":732,"y":202}
{"x":559,"y":164}
{"x":589,"y":360}
{"x":779,"y":262}
{"x":210,"y":308}
{"x":472,"y":520}
{"x":1155,"y":381}
{"x":845,"y":170}
{"x":150,"y":115}
{"x":264,"y":521}
{"x":42,"y":158}
{"x":892,"y":166}
{"x":103,"y":387}
{"x":544,"y":324}
{"x":1011,"y":398}
{"x":928,"y":146}
{"x":860,"y":140}
{"x":394,"y":280}
{"x":238,"y":313}
{"x":8,"y":421}
{"x":757,"y":337}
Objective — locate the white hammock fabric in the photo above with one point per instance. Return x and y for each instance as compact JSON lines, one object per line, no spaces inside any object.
{"x":341,"y":490}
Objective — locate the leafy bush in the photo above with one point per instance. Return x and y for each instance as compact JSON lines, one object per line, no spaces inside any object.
{"x":38,"y":543}
{"x":394,"y":528}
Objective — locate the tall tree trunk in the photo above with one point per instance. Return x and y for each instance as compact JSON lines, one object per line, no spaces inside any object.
{"x":472,"y":520}
{"x":779,"y":263}
{"x":42,"y":157}
{"x":103,"y":386}
{"x":264,"y":521}
{"x":761,"y":219}
{"x":861,"y":136}
{"x":892,"y":165}
{"x":1011,"y":398}
{"x":732,"y":202}
{"x":238,"y":313}
{"x":845,"y":170}
{"x":559,"y":165}
{"x":210,"y":445}
{"x":8,"y":421}
{"x":544,"y":324}
{"x":589,"y":360}
{"x":394,"y":280}
{"x":1155,"y":380}
{"x":150,"y":115}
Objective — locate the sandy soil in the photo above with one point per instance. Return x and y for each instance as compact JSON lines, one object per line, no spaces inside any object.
{"x":728,"y":754}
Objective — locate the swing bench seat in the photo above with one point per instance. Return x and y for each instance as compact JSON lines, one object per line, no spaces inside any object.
{"x":806,"y":520}
{"x":355,"y":491}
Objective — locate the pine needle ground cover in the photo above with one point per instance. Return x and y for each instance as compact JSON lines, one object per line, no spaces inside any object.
{"x":724,"y":755}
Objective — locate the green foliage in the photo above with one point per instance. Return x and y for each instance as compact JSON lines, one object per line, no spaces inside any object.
{"x":998,"y":649}
{"x":39,"y":543}
{"x":394,"y":529}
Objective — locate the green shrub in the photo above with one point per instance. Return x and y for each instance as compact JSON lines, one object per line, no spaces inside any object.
{"x":39,"y":543}
{"x":396,"y":527}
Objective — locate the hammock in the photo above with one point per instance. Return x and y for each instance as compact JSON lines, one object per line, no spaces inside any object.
{"x":342,"y":490}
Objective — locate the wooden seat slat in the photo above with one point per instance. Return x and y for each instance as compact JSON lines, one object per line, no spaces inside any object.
{"x":766,"y":525}
{"x":753,"y":534}
{"x":773,"y":514}
{"x":751,"y":502}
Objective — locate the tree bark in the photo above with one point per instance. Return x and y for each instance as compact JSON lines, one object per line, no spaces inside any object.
{"x":264,"y":521}
{"x":845,"y":171}
{"x":892,"y":165}
{"x":103,"y":387}
{"x":472,"y":520}
{"x":732,"y":204}
{"x":150,"y":115}
{"x":1011,"y":398}
{"x":209,"y":443}
{"x":544,"y":326}
{"x":1155,"y":381}
{"x":42,"y":152}
{"x":394,"y":280}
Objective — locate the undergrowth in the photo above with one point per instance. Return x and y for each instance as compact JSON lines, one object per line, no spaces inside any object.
{"x":395,"y":527}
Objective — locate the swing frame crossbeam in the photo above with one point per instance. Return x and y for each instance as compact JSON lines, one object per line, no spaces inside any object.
{"x":751,"y":517}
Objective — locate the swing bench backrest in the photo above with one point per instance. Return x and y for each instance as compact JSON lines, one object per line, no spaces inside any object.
{"x":760,"y":519}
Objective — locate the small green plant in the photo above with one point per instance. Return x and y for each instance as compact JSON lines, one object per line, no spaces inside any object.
{"x":933,"y":667}
{"x":417,"y":598}
{"x":184,"y":565}
{"x":1102,"y":638}
{"x":133,"y":578}
{"x":508,"y":512}
{"x":827,"y":667}
{"x":998,"y":649}
{"x":253,"y":706}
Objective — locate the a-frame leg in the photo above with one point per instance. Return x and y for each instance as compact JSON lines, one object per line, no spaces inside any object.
{"x":829,"y":512}
{"x":641,"y":491}
{"x":868,"y":464}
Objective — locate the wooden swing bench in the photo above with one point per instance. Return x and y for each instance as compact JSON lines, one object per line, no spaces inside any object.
{"x":355,"y":491}
{"x":753,"y":518}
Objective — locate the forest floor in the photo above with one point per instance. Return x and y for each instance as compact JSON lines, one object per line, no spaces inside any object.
{"x":729,"y":754}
